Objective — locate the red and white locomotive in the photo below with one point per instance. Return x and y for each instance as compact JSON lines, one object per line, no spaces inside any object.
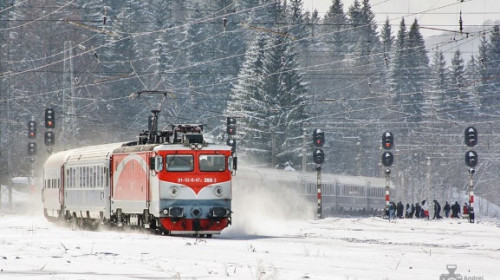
{"x":171,"y":181}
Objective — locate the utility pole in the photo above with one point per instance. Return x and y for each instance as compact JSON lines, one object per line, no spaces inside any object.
{"x":68,"y":107}
{"x":273,"y":147}
{"x":304,"y":159}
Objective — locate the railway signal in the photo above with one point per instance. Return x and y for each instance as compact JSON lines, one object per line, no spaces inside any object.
{"x":232,"y":144}
{"x":318,"y":138}
{"x":32,"y":129}
{"x":231,"y":126}
{"x":318,"y":156}
{"x":49,"y":138}
{"x":49,"y":118}
{"x":387,"y":140}
{"x":31,"y":148}
{"x":470,"y":136}
{"x":471,"y":159}
{"x":387,"y":159}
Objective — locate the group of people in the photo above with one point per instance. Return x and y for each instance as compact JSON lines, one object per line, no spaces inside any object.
{"x":422,"y":210}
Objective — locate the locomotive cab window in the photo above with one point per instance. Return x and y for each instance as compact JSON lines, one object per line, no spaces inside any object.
{"x":179,"y":162}
{"x":212,"y":163}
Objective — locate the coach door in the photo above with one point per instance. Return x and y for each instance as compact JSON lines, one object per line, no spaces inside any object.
{"x":106,"y":191}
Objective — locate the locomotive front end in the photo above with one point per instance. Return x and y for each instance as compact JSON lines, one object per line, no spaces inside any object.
{"x":194,"y":188}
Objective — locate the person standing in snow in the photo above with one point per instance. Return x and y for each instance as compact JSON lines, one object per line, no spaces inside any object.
{"x":400,"y":209}
{"x":418,"y":210}
{"x":425,"y":208}
{"x":408,"y":211}
{"x":437,"y":210}
{"x":466,"y":209}
{"x":412,"y":212}
{"x":447,"y":209}
{"x":392,"y":210}
{"x":455,"y":210}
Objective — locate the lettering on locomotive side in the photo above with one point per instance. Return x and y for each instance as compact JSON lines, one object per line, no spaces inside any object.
{"x":196,"y":180}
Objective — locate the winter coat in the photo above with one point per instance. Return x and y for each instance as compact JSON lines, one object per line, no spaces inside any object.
{"x":447,"y":207}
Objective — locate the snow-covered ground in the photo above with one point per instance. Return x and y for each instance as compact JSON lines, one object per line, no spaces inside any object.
{"x":332,"y":248}
{"x":274,"y":236}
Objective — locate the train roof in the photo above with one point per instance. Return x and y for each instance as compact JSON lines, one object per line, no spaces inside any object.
{"x":208,"y":147}
{"x":283,"y":175}
{"x":97,"y":152}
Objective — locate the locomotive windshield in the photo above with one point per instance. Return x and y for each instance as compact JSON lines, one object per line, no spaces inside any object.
{"x":179,"y":163}
{"x":212,"y":163}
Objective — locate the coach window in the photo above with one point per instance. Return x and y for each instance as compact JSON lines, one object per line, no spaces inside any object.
{"x":106,"y":176}
{"x":212,"y":163}
{"x":94,"y":172}
{"x":179,"y":163}
{"x":73,"y":177}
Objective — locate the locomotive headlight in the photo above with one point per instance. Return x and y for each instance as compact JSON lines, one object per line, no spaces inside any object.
{"x":199,"y":146}
{"x":174,"y":191}
{"x":218,"y":191}
{"x":165,"y":211}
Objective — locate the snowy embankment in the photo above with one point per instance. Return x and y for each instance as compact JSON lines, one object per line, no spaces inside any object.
{"x":274,"y":236}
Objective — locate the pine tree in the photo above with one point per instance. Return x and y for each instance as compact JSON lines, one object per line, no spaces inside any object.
{"x":335,"y":30}
{"x":400,"y":71}
{"x":298,"y":23}
{"x":439,"y":80}
{"x":286,"y":98}
{"x":493,"y":67}
{"x":387,"y":41}
{"x":484,"y":75}
{"x":473,"y":77}
{"x":248,"y":102}
{"x":464,"y":104}
{"x":271,"y":98}
{"x":418,"y":64}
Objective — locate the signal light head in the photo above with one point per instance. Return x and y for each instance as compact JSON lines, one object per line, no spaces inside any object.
{"x":387,"y":159}
{"x":49,"y":138}
{"x":387,"y":140}
{"x":32,"y":129}
{"x":232,"y":144}
{"x":318,"y":138}
{"x":471,"y":159}
{"x":231,"y":130}
{"x":231,"y":126}
{"x":318,"y":156}
{"x":49,"y":118}
{"x":31,"y":148}
{"x":471,"y":136}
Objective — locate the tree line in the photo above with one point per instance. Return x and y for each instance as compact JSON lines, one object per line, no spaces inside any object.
{"x":279,"y":69}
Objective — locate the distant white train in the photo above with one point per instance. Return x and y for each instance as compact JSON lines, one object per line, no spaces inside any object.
{"x":341,"y":194}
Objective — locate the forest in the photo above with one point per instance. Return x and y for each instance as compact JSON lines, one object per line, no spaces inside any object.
{"x":281,"y":70}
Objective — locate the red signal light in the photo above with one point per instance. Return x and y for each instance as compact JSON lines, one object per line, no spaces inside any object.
{"x":387,"y":140}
